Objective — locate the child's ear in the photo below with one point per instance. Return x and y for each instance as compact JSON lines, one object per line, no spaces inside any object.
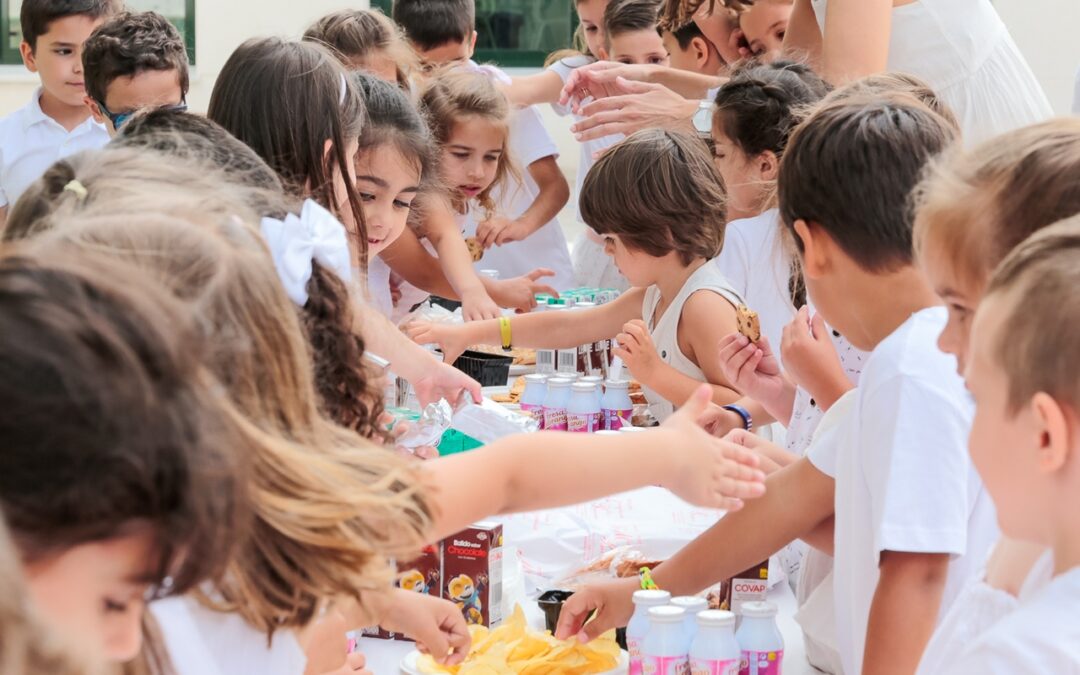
{"x":812,"y":245}
{"x":1056,"y":433}
{"x":768,"y":165}
{"x":701,"y":47}
{"x":95,"y":111}
{"x":472,"y":44}
{"x":28,"y":58}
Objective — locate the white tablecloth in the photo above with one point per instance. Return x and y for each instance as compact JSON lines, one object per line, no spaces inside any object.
{"x":554,"y":542}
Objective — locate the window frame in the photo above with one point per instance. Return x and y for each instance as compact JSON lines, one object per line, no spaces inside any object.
{"x":505,"y":58}
{"x":9,"y":56}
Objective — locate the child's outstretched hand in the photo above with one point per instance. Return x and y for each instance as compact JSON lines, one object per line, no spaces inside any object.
{"x":437,"y":625}
{"x":451,"y":339}
{"x":752,"y":368}
{"x":637,"y":350}
{"x":477,"y":305}
{"x":811,"y":359}
{"x":773,"y":457}
{"x":712,"y":472}
{"x":519,"y":293}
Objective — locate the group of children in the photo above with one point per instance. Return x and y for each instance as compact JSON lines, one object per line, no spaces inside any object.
{"x":197,"y":312}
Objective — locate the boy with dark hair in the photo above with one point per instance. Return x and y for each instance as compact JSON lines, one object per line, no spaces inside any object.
{"x":525,"y":233}
{"x":889,"y":461}
{"x":631,"y":33}
{"x":56,"y":123}
{"x":443,"y":30}
{"x":134,"y":61}
{"x":690,"y":50}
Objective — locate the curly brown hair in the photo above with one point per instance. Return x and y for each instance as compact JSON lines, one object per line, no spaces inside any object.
{"x":131,"y":43}
{"x":678,"y":13}
{"x":347,"y":387}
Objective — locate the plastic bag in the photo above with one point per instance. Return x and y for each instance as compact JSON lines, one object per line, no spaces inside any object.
{"x":429,"y":428}
{"x":488,"y":421}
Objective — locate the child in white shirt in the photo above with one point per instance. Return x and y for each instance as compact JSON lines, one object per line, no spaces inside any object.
{"x":1023,"y":377}
{"x":662,"y":229}
{"x":522,"y":232}
{"x":911,"y":519}
{"x":1028,"y":175}
{"x":56,"y":122}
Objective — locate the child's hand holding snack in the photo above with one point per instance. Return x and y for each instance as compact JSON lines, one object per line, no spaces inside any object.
{"x":811,"y":359}
{"x":437,"y":625}
{"x":499,"y":230}
{"x":753,"y":369}
{"x":637,"y":350}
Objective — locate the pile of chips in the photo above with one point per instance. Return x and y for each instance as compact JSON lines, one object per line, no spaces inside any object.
{"x":513,"y":649}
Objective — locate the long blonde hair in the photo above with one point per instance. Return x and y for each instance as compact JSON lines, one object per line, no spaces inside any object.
{"x":330,"y":506}
{"x":458,"y":92}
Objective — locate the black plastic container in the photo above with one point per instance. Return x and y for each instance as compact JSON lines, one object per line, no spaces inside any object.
{"x":489,"y":370}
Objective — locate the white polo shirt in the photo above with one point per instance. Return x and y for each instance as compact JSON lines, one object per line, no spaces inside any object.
{"x":31,"y":142}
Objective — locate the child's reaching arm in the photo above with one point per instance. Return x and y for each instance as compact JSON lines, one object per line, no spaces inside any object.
{"x":553,"y":195}
{"x":413,"y":263}
{"x":546,"y":330}
{"x":535,"y":89}
{"x":797,"y":499}
{"x":904,"y":611}
{"x":706,"y":317}
{"x":457,"y":263}
{"x":547,"y":470}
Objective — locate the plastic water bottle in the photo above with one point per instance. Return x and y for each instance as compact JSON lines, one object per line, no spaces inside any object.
{"x":693,"y":607}
{"x":638,"y":627}
{"x":760,"y":641}
{"x":532,"y":399}
{"x":714,"y":651}
{"x":617,"y":407}
{"x":583,"y":412}
{"x":558,"y":395}
{"x":666,"y":651}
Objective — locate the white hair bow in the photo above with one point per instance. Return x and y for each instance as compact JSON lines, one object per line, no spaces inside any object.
{"x":296,"y":242}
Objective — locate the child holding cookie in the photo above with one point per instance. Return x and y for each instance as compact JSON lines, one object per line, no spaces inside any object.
{"x":659,"y":203}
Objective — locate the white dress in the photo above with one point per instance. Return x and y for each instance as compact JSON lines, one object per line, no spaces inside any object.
{"x":665,"y":331}
{"x":962,"y":49}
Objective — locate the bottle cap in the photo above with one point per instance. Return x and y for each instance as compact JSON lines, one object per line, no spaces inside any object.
{"x":536,"y":378}
{"x":594,"y":379}
{"x":691,"y":604}
{"x":584,"y":387}
{"x":617,"y":384}
{"x":559,"y":382}
{"x":607,"y":432}
{"x":631,"y":430}
{"x":715,"y":618}
{"x":758,"y":610}
{"x":667,"y":614}
{"x":651,"y":598}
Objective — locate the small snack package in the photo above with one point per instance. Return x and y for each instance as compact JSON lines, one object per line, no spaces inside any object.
{"x":472,"y":573}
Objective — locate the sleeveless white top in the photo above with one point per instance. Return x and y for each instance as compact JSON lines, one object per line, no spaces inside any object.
{"x":665,"y":331}
{"x":962,"y":49}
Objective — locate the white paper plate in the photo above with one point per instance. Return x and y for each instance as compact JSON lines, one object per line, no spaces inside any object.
{"x":409,"y":667}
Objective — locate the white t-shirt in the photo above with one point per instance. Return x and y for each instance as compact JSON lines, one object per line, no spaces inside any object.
{"x":563,"y":68}
{"x":31,"y":142}
{"x":758,"y":266}
{"x":204,"y":642}
{"x":1043,"y":636}
{"x":529,"y":142}
{"x":904,"y":481}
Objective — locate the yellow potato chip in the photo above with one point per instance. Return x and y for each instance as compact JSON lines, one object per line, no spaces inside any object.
{"x":513,"y":648}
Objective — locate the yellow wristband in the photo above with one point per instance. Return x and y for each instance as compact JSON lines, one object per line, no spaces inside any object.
{"x":504,"y":331}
